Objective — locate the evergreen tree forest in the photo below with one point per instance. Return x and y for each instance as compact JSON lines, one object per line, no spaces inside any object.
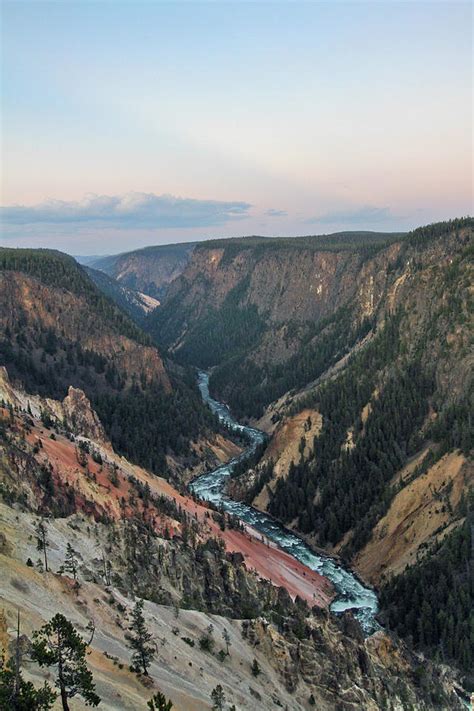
{"x":221,"y":334}
{"x":432,"y":603}
{"x":249,"y":388}
{"x":346,"y":485}
{"x":365,"y":242}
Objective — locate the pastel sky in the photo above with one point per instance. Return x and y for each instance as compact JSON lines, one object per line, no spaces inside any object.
{"x":135,"y":123}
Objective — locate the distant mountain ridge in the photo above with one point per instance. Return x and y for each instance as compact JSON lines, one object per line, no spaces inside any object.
{"x":148,"y":270}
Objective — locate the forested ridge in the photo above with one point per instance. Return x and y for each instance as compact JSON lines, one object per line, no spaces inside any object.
{"x":61,"y":271}
{"x":390,"y":403}
{"x":342,"y":488}
{"x":367,"y":241}
{"x":144,"y":420}
{"x":353,"y":483}
{"x":375,"y":415}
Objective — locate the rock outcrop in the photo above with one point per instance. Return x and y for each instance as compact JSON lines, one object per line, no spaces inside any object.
{"x":75,"y":412}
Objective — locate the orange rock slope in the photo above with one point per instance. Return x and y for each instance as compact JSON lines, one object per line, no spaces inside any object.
{"x":105,"y":489}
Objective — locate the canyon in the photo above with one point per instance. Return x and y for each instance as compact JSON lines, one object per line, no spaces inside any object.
{"x":344,"y":443}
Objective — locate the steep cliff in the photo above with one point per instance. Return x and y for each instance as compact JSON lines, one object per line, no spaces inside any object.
{"x":149,"y":270}
{"x":74,"y":412}
{"x":273,"y":315}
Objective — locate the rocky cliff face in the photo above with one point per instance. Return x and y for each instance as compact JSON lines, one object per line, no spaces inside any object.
{"x":288,"y":287}
{"x":134,"y":303}
{"x":81,"y":418}
{"x":148,"y":270}
{"x":74,"y":412}
{"x":288,"y":284}
{"x":273,"y":316}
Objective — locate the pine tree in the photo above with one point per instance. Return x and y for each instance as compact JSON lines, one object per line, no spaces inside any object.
{"x":256,"y":671}
{"x":42,"y":543}
{"x":218,"y":698}
{"x":140,"y":639}
{"x":227,"y":641}
{"x":16,"y":693}
{"x":160,"y":703}
{"x":71,"y":562}
{"x":57,"y":644}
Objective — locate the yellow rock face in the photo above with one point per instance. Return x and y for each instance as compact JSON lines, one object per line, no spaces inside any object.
{"x":420,"y":513}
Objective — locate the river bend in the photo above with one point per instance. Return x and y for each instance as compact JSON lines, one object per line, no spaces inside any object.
{"x":351,"y":594}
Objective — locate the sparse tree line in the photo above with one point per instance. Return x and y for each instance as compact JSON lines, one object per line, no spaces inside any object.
{"x":60,"y":648}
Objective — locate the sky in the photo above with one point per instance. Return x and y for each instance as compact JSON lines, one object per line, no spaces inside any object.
{"x":126,"y":124}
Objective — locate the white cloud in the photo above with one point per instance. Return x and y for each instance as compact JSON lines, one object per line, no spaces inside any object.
{"x":130,"y":211}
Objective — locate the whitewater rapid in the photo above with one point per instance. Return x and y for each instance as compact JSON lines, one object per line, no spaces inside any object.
{"x":351,"y":594}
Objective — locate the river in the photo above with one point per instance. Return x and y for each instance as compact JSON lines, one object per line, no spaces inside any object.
{"x":351,"y":594}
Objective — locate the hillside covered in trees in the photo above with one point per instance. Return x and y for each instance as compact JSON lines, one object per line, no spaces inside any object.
{"x":432,"y":603}
{"x":396,"y":415}
{"x":59,"y":330}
